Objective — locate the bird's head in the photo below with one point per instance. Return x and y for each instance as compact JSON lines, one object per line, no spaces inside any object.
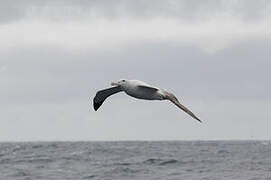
{"x":120,"y":82}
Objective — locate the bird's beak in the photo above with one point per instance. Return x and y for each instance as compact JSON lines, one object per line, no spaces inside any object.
{"x":114,"y":84}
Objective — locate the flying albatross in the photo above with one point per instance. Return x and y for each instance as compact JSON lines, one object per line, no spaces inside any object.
{"x":140,"y":90}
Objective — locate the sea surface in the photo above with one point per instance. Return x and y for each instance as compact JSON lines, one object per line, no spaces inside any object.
{"x":172,"y":160}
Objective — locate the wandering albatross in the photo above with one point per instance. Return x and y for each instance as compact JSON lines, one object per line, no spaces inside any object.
{"x":139,"y":90}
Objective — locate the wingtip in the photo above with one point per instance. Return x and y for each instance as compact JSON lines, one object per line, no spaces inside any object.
{"x":96,"y":105}
{"x":198,"y":120}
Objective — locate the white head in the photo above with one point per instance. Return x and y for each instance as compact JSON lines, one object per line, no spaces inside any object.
{"x":120,"y":82}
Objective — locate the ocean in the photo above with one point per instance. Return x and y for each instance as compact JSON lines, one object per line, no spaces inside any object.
{"x":165,"y":160}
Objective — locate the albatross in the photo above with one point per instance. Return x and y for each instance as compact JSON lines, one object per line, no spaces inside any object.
{"x":139,"y":90}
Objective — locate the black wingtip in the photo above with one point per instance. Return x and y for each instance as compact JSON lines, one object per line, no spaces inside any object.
{"x":198,"y":119}
{"x":96,"y":105}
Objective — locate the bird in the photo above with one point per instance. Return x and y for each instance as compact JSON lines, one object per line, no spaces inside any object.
{"x":140,"y":90}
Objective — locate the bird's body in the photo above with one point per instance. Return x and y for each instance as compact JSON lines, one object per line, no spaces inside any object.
{"x":139,"y":90}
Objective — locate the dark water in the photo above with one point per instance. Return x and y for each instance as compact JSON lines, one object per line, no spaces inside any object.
{"x":247,"y":160}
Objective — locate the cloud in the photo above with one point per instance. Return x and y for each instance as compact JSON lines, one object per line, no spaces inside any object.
{"x":77,"y":25}
{"x":186,"y":10}
{"x":102,"y":33}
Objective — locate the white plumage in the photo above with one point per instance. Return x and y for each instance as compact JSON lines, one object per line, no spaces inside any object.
{"x":140,"y":90}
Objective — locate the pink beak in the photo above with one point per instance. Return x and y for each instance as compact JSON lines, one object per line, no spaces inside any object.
{"x":114,"y":84}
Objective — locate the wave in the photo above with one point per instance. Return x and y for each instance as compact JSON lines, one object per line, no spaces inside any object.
{"x":90,"y":177}
{"x":171,"y":161}
{"x":160,"y":162}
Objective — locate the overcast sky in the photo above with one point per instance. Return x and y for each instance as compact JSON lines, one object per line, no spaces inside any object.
{"x":214,"y":55}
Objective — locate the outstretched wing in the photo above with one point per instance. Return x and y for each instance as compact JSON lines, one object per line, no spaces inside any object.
{"x":147,"y":88}
{"x":103,"y":94}
{"x":173,"y":99}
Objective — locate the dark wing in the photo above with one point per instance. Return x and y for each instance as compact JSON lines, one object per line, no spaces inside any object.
{"x":103,"y":94}
{"x":173,"y":99}
{"x":186,"y":110}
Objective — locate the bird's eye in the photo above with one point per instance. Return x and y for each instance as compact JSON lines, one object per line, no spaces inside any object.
{"x":123,"y":80}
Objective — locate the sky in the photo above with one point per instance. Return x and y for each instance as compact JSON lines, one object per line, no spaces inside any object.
{"x":214,"y":55}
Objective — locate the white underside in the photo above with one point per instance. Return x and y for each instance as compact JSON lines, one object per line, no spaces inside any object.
{"x":141,"y":94}
{"x":132,"y":88}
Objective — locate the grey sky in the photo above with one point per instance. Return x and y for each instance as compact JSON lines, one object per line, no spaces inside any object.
{"x":213,"y":55}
